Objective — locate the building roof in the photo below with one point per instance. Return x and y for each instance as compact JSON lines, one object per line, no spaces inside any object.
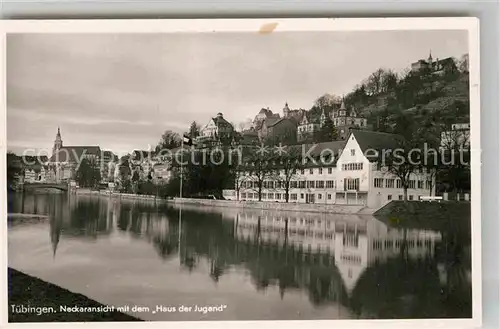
{"x":74,"y":153}
{"x":376,"y":141}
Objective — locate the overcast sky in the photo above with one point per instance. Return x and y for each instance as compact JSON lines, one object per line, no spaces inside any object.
{"x":122,"y":92}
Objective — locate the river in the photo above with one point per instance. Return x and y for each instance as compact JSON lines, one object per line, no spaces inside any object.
{"x":245,"y":264}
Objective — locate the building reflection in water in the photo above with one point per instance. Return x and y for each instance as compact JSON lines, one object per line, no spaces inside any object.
{"x":344,"y":259}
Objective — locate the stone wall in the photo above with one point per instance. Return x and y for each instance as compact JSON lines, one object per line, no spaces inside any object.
{"x":279,"y":206}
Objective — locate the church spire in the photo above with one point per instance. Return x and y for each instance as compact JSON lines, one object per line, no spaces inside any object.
{"x":430,"y":56}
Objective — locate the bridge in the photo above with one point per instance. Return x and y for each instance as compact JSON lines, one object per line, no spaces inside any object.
{"x":56,"y":186}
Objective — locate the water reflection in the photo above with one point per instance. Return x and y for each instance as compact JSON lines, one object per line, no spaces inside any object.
{"x":375,"y":270}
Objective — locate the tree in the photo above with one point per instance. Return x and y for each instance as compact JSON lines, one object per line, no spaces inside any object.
{"x":14,"y":169}
{"x":169,"y":140}
{"x":88,"y":173}
{"x":194,"y":130}
{"x":389,"y":80}
{"x":259,"y":169}
{"x":401,"y":161}
{"x":288,"y":164}
{"x":327,"y":132}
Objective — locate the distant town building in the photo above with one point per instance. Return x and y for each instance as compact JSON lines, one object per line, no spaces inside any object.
{"x":346,"y":119}
{"x":63,"y":163}
{"x":308,"y":126}
{"x":217,"y":129}
{"x":438,"y":66}
{"x":277,"y":130}
{"x":264,"y":113}
{"x":457,"y":137}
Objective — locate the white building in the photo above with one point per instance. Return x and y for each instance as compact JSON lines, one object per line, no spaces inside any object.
{"x":340,"y":172}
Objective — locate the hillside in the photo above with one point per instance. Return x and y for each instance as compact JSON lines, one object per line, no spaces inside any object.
{"x":438,"y":93}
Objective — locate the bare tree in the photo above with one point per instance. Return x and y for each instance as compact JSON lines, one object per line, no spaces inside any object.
{"x":288,"y":164}
{"x":259,"y":170}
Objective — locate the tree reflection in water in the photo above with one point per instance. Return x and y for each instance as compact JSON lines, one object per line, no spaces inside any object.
{"x":408,"y":279}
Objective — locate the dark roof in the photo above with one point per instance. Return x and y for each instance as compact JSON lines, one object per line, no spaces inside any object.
{"x":139,"y":154}
{"x":374,"y":140}
{"x":73,"y":153}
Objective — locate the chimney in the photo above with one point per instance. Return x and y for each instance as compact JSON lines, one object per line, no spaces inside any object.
{"x":219,"y":115}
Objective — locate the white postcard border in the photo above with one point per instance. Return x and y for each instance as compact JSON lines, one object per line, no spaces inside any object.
{"x":267,"y":26}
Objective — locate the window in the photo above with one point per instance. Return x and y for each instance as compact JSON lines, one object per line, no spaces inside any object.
{"x":400,"y":197}
{"x":278,"y":196}
{"x":411,"y":184}
{"x":351,"y":184}
{"x":329,"y":170}
{"x":420,"y":184}
{"x":428,"y":185}
{"x":320,"y":170}
{"x":330,"y":184}
{"x":353,"y":152}
{"x":319,"y":196}
{"x":256,"y":195}
{"x":389,"y":183}
{"x":310,"y":184}
{"x":302,"y":195}
{"x":410,"y":197}
{"x":293,"y":196}
{"x":329,"y":196}
{"x":320,"y":184}
{"x":271,"y":195}
{"x":302,"y":171}
{"x":243,"y":195}
{"x":302,"y":184}
{"x":389,"y":197}
{"x":264,"y":196}
{"x":293,"y":184}
{"x":311,"y":171}
{"x":378,"y":182}
{"x":352,"y":166}
{"x":398,"y":183}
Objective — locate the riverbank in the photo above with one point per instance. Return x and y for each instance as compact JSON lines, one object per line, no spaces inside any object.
{"x":28,"y":291}
{"x":19,"y":218}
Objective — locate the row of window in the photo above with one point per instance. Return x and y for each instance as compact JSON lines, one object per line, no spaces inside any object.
{"x":389,"y":183}
{"x":293,"y":184}
{"x":400,"y":197}
{"x":280,"y":196}
{"x":352,"y":166}
{"x":387,"y":244}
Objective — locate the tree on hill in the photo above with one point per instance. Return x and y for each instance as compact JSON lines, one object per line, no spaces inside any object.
{"x":194,"y":130}
{"x":169,"y":140}
{"x":327,"y":133}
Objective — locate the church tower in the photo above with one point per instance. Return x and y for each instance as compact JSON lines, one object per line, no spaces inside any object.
{"x":286,"y":111}
{"x":58,"y":143}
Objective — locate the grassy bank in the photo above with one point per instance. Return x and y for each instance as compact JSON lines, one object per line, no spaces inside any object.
{"x":25,"y":290}
{"x":440,"y":216}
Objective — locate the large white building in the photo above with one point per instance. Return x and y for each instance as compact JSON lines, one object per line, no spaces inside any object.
{"x":340,"y":172}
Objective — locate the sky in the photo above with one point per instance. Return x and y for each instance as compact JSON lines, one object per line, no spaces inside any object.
{"x":122,"y":91}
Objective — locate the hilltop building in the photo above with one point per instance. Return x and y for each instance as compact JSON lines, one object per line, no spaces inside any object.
{"x":345,"y":119}
{"x":438,"y":66}
{"x":217,"y":130}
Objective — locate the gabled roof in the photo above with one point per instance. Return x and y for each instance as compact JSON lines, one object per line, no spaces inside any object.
{"x":376,"y":141}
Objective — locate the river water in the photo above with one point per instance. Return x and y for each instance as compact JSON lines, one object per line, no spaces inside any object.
{"x":245,"y":264}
